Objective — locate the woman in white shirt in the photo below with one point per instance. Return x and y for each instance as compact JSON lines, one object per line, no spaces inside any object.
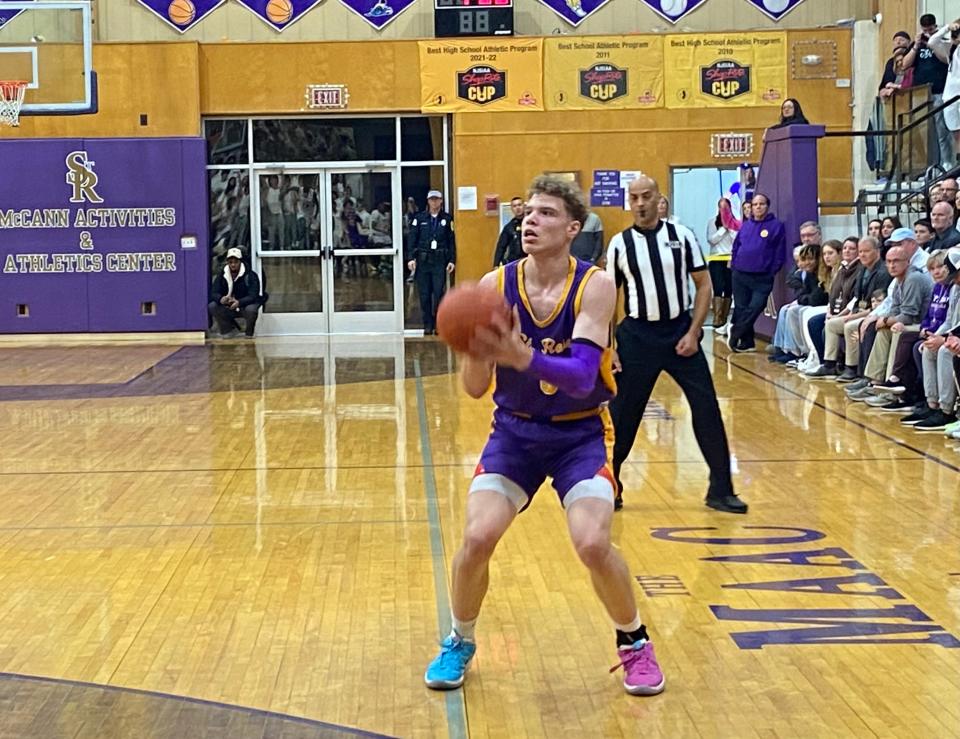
{"x":721,"y":231}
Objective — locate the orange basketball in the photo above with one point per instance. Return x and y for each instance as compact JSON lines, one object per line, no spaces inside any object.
{"x":181,"y":12}
{"x":279,"y":11}
{"x":463,"y":309}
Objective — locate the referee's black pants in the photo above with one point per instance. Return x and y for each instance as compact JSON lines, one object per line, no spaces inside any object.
{"x":647,"y":348}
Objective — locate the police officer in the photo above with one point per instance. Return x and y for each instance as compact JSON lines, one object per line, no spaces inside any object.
{"x":431,"y":255}
{"x":509,"y":246}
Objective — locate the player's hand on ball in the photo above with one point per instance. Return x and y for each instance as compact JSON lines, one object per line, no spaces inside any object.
{"x":501,"y":342}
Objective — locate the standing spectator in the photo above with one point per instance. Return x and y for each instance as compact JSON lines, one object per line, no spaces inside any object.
{"x":653,"y":262}
{"x":588,"y":244}
{"x":663,"y":209}
{"x":431,"y":256}
{"x":901,"y":43}
{"x":945,"y":235}
{"x":930,"y":69}
{"x":791,"y":114}
{"x":944,"y":45}
{"x":757,"y":256}
{"x":235,"y":294}
{"x":510,"y":244}
{"x":722,"y":229}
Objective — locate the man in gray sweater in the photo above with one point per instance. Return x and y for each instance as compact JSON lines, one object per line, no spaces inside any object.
{"x":910,"y":294}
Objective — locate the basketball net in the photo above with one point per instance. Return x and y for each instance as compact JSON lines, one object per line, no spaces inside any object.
{"x":11,"y":98}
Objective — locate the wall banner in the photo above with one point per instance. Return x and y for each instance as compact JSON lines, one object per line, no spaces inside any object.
{"x":776,"y":9}
{"x":725,"y":70}
{"x":574,"y":12}
{"x":484,"y":75}
{"x":181,"y":15}
{"x":378,"y":13}
{"x":603,"y":72}
{"x":7,"y":15}
{"x":279,"y":14}
{"x":673,"y":10}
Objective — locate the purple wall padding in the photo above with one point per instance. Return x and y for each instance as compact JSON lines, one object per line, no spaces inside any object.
{"x":129,"y":173}
{"x":788,"y":176}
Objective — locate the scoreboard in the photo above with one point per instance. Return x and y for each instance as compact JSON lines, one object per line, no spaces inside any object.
{"x":472,"y":18}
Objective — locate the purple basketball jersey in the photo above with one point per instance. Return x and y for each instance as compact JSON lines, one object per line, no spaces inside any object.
{"x":522,"y":393}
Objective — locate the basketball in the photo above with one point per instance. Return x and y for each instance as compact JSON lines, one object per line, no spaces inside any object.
{"x":181,"y":12}
{"x":463,"y":309}
{"x":279,"y":11}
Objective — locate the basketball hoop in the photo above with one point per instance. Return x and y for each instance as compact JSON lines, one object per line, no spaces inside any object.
{"x":11,"y":98}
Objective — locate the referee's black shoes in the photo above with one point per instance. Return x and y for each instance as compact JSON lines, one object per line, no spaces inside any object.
{"x":726,"y":503}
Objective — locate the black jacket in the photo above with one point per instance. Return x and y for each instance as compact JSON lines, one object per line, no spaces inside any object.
{"x":868,"y":282}
{"x":246,"y":289}
{"x":509,"y":245}
{"x":424,"y":231}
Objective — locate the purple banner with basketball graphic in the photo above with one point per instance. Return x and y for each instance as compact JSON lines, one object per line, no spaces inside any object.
{"x":776,"y":9}
{"x":181,"y":15}
{"x":574,"y":12}
{"x":378,"y":13}
{"x":673,"y":10}
{"x":280,"y":14}
{"x":104,"y":235}
{"x":7,"y":15}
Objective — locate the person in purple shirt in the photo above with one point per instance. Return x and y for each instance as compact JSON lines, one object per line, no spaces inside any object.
{"x":758,"y":255}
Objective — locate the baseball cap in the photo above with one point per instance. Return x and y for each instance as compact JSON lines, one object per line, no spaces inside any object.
{"x":952,"y":262}
{"x":434,"y":194}
{"x":235,"y":252}
{"x":901,"y":234}
{"x":902,"y":34}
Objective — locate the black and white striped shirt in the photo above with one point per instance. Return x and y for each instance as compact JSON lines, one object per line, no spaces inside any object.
{"x":654,"y":269}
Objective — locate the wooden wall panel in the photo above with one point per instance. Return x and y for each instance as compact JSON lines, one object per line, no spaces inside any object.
{"x":127,"y":20}
{"x":501,"y":153}
{"x":157,"y":80}
{"x":380,"y":77}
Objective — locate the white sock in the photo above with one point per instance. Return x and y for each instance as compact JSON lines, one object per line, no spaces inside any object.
{"x":465,"y":629}
{"x":630,"y":627}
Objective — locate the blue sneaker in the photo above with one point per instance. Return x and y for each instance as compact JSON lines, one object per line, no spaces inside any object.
{"x":447,"y":670}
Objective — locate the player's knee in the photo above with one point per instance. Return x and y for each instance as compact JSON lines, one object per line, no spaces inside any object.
{"x":592,"y":548}
{"x":479,"y":541}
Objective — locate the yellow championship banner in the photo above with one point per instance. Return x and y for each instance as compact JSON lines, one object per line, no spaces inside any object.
{"x":598,"y":72}
{"x":725,"y":70}
{"x":485,"y":75}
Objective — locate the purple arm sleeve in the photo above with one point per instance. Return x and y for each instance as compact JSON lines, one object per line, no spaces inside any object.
{"x":575,"y":375}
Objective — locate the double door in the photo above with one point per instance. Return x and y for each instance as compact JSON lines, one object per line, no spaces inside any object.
{"x":328,"y":247}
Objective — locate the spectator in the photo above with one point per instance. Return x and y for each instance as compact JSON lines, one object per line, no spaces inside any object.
{"x":888,"y":225}
{"x":901,"y":42}
{"x":588,"y":244}
{"x":930,"y":69}
{"x":811,"y":281}
{"x":839,"y":303}
{"x":509,"y":246}
{"x":791,"y":114}
{"x":944,"y":45}
{"x":945,"y":235}
{"x":722,"y":229}
{"x":924,"y":232}
{"x":431,"y":255}
{"x":663,"y":210}
{"x":874,"y":227}
{"x":235,"y":294}
{"x":757,"y":257}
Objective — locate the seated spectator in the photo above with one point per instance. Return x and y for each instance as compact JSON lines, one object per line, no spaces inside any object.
{"x":235,"y":294}
{"x":924,"y":233}
{"x":873,"y":228}
{"x":945,"y":235}
{"x":888,"y":225}
{"x":910,"y":294}
{"x":810,"y":301}
{"x":839,"y":303}
{"x":937,"y":356}
{"x":873,"y":276}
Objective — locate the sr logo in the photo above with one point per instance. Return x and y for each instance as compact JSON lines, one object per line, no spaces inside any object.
{"x":725,"y":79}
{"x":603,"y":83}
{"x":481,"y":85}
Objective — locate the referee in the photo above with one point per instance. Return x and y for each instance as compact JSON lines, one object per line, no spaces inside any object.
{"x":653,"y":262}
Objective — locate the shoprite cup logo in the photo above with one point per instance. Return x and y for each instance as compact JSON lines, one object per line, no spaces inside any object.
{"x":603,"y":82}
{"x":725,"y":79}
{"x":481,"y":85}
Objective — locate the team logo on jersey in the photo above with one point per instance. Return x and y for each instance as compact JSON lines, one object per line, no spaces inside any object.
{"x":481,"y":85}
{"x":547,"y":389}
{"x":603,"y":83}
{"x":725,"y":79}
{"x":82,"y":178}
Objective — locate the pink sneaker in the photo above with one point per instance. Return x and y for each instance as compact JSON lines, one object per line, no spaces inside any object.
{"x":642,"y":675}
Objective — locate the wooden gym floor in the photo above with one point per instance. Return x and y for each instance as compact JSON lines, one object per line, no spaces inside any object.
{"x":253,"y":539}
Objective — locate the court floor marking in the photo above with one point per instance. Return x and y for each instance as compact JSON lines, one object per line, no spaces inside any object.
{"x":455,"y":704}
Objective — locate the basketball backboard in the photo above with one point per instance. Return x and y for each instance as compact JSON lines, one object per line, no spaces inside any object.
{"x":49,"y":45}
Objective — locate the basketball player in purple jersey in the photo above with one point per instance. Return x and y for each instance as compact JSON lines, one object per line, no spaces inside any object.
{"x":553,"y":369}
